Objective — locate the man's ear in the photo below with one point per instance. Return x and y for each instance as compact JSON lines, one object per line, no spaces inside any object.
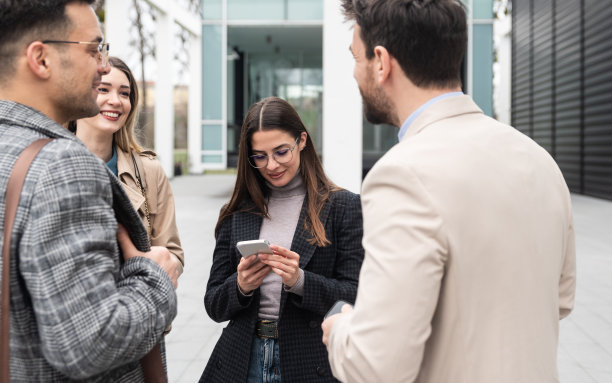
{"x":382,"y":63}
{"x":38,"y":60}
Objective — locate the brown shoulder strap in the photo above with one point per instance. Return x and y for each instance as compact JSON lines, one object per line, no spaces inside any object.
{"x":153,"y":366}
{"x":13,"y":192}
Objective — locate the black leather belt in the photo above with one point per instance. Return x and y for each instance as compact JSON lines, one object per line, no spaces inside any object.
{"x":266,"y":329}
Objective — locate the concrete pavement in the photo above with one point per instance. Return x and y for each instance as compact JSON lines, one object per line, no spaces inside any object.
{"x":585,"y":349}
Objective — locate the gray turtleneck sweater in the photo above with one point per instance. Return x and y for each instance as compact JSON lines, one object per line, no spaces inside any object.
{"x":284,"y":206}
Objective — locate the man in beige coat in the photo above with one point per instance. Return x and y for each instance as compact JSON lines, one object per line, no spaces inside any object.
{"x":468,"y":233}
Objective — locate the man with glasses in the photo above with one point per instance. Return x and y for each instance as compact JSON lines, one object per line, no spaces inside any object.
{"x":78,"y":309}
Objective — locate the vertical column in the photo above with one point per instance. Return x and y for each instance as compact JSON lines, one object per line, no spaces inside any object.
{"x":117,"y":27}
{"x":164,"y":93}
{"x":342,"y":118}
{"x":195,"y":104}
{"x":503,"y":73}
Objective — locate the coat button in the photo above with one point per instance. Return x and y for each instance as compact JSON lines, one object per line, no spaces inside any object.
{"x":320,"y":371}
{"x":313,"y":324}
{"x":219,"y":364}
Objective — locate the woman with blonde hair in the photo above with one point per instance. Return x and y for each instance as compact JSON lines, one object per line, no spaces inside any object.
{"x":110,"y":136}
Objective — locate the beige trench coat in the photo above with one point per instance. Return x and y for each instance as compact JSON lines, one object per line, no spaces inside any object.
{"x":162,"y":229}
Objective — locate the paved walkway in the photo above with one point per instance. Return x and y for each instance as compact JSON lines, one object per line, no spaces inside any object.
{"x":585,"y":350}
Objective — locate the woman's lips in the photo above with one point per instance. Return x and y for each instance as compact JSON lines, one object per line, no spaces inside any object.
{"x":111,"y":116}
{"x":276,"y":175}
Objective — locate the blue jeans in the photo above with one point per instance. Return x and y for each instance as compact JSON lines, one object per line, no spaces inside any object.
{"x":264,"y":366}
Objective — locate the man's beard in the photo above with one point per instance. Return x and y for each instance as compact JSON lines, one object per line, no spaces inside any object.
{"x":73,"y":105}
{"x":376,"y":106}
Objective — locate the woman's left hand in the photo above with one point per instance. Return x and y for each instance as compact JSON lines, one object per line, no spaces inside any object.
{"x":283,"y":262}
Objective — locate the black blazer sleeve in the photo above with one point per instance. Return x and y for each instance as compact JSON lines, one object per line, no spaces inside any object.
{"x":222,"y":299}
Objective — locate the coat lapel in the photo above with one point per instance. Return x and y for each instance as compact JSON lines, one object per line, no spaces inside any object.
{"x":127,"y":216}
{"x":246,"y":226}
{"x":300,"y":242}
{"x":301,"y":236}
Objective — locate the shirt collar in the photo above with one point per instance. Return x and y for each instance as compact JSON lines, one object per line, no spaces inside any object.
{"x":421,"y":109}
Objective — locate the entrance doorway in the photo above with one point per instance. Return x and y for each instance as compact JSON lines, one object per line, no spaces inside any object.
{"x":284,"y":61}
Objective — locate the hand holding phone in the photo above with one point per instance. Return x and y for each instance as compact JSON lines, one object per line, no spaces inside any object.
{"x":247,"y":248}
{"x":336,"y":308}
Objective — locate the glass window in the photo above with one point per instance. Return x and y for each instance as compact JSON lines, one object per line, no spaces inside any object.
{"x":256,"y":10}
{"x":483,"y":67}
{"x":212,"y":159}
{"x":305,"y":10}
{"x":211,"y":72}
{"x":286,"y":76}
{"x":483,"y":9}
{"x":211,"y":137}
{"x":211,"y":9}
{"x":378,"y":138}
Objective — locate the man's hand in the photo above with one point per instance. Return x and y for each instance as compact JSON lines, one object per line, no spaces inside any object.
{"x":328,"y":323}
{"x":157,"y":254}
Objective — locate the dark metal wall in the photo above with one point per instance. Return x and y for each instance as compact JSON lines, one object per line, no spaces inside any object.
{"x":562,"y":86}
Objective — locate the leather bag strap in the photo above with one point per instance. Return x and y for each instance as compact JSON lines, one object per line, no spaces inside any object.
{"x":153,"y":366}
{"x":13,"y":193}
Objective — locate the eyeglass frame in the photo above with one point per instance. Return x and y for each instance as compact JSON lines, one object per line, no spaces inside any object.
{"x":103,"y":48}
{"x":249,"y":159}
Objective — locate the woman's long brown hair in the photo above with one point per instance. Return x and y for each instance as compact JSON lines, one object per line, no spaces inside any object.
{"x":274,"y":113}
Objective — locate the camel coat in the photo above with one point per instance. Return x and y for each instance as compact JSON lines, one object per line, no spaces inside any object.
{"x":162,"y":226}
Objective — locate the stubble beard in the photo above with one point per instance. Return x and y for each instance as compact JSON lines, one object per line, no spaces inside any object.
{"x":76,"y":101}
{"x":377,"y":107}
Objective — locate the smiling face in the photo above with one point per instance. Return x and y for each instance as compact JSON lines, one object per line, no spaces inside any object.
{"x":114,"y":103}
{"x":275,"y":142}
{"x":79,"y":70}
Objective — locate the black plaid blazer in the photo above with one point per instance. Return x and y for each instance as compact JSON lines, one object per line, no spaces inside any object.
{"x":330,"y":273}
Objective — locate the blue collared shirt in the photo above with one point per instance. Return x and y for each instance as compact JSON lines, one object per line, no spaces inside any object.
{"x":421,"y":109}
{"x":112,"y":163}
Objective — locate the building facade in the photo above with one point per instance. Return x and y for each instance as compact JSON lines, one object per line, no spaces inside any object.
{"x":562,"y":86}
{"x":298,"y":50}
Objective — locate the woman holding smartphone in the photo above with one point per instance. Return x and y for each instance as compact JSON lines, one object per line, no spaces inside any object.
{"x":275,"y":303}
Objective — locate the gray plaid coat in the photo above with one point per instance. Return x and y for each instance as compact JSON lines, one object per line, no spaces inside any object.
{"x":77,"y":310}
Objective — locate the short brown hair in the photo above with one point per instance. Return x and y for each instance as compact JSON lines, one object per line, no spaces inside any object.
{"x":24,"y":21}
{"x":428,"y":38}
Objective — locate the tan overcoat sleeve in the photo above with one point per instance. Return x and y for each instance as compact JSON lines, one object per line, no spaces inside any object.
{"x":405,"y":255}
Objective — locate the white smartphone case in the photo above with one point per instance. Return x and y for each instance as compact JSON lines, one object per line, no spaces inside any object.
{"x":255,"y":246}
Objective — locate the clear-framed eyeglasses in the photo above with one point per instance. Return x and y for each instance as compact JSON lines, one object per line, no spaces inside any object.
{"x":281,"y":155}
{"x":103,"y":48}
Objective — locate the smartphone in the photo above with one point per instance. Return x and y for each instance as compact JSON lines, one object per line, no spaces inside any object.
{"x":255,"y":246}
{"x":336,"y":308}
